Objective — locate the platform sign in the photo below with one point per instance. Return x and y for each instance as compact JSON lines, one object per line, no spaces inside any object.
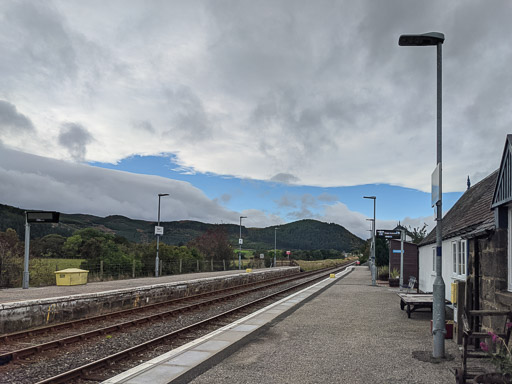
{"x":388,"y":234}
{"x":42,"y":216}
{"x":436,"y":182}
{"x":397,"y":251}
{"x":159,"y":230}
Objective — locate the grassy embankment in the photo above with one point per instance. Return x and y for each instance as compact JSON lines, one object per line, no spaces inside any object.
{"x":319,"y":264}
{"x":42,"y":270}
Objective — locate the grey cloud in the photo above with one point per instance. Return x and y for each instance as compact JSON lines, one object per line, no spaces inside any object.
{"x":144,"y":125}
{"x":225,"y":198}
{"x":188,"y":119}
{"x":285,"y":178}
{"x":74,"y":137}
{"x":286,"y":201}
{"x":327,"y":198}
{"x":77,"y":188}
{"x":13,"y":122}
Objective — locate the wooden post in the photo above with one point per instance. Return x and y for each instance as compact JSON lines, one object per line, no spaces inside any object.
{"x":224,"y":264}
{"x":461,"y":308}
{"x":133,"y":269}
{"x":211,"y":261}
{"x":181,"y":265}
{"x":197,"y":265}
{"x":101,"y":270}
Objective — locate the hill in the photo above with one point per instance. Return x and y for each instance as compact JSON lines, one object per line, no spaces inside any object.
{"x":303,"y":234}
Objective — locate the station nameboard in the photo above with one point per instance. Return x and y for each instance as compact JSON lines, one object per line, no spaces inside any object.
{"x":388,"y":233}
{"x":42,"y":216}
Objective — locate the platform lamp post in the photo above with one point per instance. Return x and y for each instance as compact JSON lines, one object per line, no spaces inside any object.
{"x":275,"y":246}
{"x":438,"y":315}
{"x":240,"y":241}
{"x":158,"y":231}
{"x":373,"y":268}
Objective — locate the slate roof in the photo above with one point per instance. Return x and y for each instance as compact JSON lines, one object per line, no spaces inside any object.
{"x":471,"y":214}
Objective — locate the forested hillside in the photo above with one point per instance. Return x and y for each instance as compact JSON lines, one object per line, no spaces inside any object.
{"x":299,"y":235}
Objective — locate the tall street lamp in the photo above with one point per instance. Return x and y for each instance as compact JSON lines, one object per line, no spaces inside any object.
{"x":439,"y":330}
{"x":373,"y":268}
{"x":240,"y":241}
{"x":275,"y":245}
{"x":158,"y":231}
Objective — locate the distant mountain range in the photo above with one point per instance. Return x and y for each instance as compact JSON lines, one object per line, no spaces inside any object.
{"x":302,"y":234}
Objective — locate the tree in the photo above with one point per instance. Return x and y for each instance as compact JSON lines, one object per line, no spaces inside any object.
{"x":417,"y":234}
{"x":11,"y":257}
{"x":214,"y":244}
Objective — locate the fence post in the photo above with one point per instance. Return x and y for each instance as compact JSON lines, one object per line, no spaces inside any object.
{"x":197,"y":265}
{"x":181,"y":264}
{"x":101,"y":270}
{"x":211,"y":261}
{"x":224,"y":264}
{"x":133,"y":269}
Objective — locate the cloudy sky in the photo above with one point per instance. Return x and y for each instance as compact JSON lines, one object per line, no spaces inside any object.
{"x":277,"y":110}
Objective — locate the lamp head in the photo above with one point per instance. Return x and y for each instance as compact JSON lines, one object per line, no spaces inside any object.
{"x":430,"y":38}
{"x":163,"y":194}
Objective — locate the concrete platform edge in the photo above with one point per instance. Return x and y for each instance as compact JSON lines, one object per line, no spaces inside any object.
{"x":134,"y":375}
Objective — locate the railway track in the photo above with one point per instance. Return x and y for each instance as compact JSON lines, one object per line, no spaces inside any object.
{"x":215,"y":316}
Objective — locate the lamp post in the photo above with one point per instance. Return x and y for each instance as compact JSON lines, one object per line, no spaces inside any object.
{"x":373,"y":268}
{"x":275,"y":245}
{"x":240,"y":241}
{"x":439,"y":330}
{"x":158,"y":232}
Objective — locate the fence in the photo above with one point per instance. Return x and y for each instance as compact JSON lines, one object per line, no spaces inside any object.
{"x":42,"y":271}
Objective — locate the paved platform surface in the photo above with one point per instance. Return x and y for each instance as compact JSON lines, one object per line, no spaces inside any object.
{"x":342,"y":330}
{"x":20,"y":294}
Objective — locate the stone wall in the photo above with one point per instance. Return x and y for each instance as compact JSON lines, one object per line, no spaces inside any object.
{"x":493,"y":276}
{"x":35,"y":313}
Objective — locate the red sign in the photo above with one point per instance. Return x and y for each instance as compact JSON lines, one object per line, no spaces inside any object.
{"x":288,"y":253}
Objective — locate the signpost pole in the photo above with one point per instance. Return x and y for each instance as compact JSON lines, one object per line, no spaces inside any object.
{"x":402,"y":235}
{"x":26,"y":274}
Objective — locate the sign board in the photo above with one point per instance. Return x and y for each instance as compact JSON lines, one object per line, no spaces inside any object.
{"x":288,"y":253}
{"x":388,"y":234}
{"x":159,"y":230}
{"x":262,"y":256}
{"x":436,"y":182}
{"x":240,"y":241}
{"x":397,"y":251}
{"x":42,"y":216}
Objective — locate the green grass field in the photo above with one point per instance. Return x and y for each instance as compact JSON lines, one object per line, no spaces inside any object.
{"x":319,"y":264}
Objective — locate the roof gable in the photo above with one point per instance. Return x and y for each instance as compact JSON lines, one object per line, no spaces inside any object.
{"x":471,"y":211}
{"x":503,"y":190}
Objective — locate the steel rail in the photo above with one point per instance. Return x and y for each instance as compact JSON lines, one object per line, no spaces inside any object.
{"x":85,"y":370}
{"x":71,"y":324}
{"x":35,"y":349}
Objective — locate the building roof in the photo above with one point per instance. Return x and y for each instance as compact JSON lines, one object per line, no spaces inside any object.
{"x":471,"y":214}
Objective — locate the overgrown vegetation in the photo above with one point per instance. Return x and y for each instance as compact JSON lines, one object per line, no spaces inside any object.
{"x":307,"y":266}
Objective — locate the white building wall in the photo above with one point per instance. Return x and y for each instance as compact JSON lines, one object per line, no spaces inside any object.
{"x":427,"y":275}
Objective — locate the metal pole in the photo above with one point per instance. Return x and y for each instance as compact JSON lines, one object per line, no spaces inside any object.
{"x":26,"y":274}
{"x":402,"y":235}
{"x":438,"y":314}
{"x":157,"y":260}
{"x":275,"y":245}
{"x":240,"y":244}
{"x":374,"y":267}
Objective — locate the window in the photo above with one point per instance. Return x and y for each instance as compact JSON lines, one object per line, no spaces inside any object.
{"x":459,"y":258}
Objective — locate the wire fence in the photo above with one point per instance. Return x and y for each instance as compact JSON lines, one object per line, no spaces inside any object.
{"x":42,"y":271}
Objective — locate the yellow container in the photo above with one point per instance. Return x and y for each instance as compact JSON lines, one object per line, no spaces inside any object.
{"x":454,"y":293}
{"x":248,"y":270}
{"x":332,"y":276}
{"x":71,"y":276}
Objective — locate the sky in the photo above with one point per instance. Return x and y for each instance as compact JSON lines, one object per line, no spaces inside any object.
{"x":277,"y":110}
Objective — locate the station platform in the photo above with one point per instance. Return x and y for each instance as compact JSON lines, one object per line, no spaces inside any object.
{"x":34,"y":307}
{"x":340,"y":330}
